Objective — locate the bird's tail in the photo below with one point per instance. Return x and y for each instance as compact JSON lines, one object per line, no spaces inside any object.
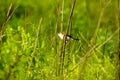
{"x":76,"y":39}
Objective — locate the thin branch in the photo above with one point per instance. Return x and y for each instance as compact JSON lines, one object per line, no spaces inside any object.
{"x":118,"y":56}
{"x":70,"y":18}
{"x":62,"y":17}
{"x":9,"y":14}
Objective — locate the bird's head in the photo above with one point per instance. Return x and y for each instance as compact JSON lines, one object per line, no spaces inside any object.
{"x":61,"y":35}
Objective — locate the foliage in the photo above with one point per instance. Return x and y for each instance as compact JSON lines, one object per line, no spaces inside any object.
{"x":31,"y":50}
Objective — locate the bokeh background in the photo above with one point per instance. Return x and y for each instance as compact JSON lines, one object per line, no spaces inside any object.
{"x":30,"y":48}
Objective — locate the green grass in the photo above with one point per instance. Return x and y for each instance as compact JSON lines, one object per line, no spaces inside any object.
{"x":31,"y":49}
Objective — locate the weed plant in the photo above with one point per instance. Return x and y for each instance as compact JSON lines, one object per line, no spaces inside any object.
{"x":30,"y":48}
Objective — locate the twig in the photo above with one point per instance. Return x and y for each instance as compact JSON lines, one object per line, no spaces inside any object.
{"x":70,"y":18}
{"x":7,"y":18}
{"x":118,"y":56}
{"x":62,"y":17}
{"x":58,"y":59}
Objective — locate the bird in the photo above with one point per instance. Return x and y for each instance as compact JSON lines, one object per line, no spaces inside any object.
{"x":66,"y":37}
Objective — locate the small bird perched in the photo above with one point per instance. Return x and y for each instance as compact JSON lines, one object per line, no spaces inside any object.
{"x":66,"y":37}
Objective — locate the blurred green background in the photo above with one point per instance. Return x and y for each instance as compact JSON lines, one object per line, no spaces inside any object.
{"x":31,"y":50}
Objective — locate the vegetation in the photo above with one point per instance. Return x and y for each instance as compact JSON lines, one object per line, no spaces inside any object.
{"x":30,"y":48}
